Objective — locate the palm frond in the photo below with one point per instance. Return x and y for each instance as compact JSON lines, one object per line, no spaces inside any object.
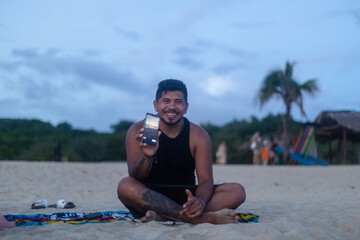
{"x":280,"y":83}
{"x":310,"y":87}
{"x":272,"y":85}
{"x":289,"y":67}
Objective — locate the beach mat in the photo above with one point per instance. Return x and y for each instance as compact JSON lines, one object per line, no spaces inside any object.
{"x":71,"y":218}
{"x":95,"y":217}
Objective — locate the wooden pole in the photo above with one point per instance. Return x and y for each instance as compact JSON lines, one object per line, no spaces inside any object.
{"x":358,"y":148}
{"x":358,"y":152}
{"x":330,"y":152}
{"x":344,"y":146}
{"x":338,"y":151}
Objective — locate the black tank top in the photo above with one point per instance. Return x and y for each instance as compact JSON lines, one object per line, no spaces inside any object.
{"x":174,"y":163}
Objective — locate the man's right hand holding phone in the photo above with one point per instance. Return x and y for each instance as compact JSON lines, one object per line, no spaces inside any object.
{"x":148,"y":150}
{"x":141,"y":168}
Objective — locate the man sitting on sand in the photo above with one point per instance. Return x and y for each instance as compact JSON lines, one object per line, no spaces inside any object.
{"x":161,"y":183}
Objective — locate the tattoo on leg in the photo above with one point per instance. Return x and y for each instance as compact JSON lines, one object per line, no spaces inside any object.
{"x":162,"y":205}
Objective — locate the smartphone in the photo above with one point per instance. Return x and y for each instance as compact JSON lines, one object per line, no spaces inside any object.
{"x":151,"y":128}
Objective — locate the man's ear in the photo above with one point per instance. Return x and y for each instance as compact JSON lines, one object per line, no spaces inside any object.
{"x":155,"y":106}
{"x":186,"y":107}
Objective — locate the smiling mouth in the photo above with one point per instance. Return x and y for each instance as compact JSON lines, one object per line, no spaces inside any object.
{"x":171,"y":113}
{"x":171,"y":119}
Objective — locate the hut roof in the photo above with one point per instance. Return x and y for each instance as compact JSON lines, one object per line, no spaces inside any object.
{"x":333,"y":123}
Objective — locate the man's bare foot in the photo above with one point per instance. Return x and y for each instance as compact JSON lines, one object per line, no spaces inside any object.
{"x":149,"y":216}
{"x":223,"y":216}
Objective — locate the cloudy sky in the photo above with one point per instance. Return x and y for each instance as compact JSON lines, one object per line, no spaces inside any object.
{"x":94,"y":63}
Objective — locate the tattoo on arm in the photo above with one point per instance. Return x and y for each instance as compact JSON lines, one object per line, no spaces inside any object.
{"x":150,"y":162}
{"x":163,"y":206}
{"x":138,"y":169}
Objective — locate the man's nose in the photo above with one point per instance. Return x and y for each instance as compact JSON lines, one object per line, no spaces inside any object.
{"x":172,"y":104}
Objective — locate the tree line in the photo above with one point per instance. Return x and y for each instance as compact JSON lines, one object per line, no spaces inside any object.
{"x":35,"y":140}
{"x":23,"y":139}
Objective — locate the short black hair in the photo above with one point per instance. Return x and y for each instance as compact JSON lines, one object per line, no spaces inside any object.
{"x":171,"y":85}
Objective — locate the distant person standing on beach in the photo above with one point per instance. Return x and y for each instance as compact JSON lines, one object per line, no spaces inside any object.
{"x":255,"y":145}
{"x":265,"y":153}
{"x":221,"y":154}
{"x":273,"y":145}
{"x":161,"y":183}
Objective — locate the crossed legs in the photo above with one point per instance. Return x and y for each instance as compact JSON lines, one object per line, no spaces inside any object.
{"x":134,"y":195}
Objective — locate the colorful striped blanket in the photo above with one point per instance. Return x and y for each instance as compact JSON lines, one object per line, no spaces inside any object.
{"x":96,"y":217}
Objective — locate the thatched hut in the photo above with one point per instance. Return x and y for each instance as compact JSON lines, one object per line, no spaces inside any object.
{"x":341,"y":126}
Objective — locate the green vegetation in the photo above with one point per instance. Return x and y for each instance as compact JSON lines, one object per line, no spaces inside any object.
{"x":22,"y":139}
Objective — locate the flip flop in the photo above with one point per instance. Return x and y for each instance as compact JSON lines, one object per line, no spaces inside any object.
{"x":5,"y":223}
{"x":64,"y":204}
{"x":43,"y":203}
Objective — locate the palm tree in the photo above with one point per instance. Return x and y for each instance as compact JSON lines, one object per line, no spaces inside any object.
{"x":281,"y":84}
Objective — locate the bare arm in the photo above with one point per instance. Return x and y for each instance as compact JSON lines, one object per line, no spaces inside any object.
{"x":139,"y":155}
{"x":201,"y":143}
{"x":204,"y":172}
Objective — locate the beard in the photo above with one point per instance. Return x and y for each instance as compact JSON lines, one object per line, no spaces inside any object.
{"x":170,"y":123}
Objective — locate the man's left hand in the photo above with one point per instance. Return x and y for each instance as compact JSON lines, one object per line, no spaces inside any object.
{"x":193,"y":207}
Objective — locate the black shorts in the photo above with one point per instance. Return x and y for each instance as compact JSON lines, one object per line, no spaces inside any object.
{"x":174,"y":192}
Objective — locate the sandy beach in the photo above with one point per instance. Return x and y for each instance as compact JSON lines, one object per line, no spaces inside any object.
{"x":294,"y":202}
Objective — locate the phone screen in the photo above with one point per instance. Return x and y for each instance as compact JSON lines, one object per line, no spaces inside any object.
{"x":152,"y":121}
{"x":151,"y":127}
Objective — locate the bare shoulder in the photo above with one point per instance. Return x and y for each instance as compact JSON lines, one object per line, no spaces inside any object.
{"x":200,"y":145}
{"x":135,"y":127}
{"x":198,"y":133}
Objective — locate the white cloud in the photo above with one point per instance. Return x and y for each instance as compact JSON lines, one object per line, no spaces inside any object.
{"x":218,"y":86}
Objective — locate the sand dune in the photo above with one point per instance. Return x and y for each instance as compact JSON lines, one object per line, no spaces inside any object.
{"x":294,"y":202}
